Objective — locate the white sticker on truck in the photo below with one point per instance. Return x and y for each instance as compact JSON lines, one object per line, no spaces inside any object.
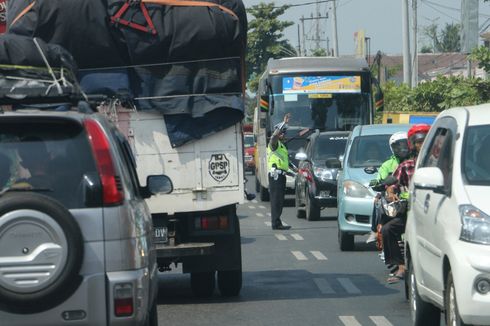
{"x":219,"y":167}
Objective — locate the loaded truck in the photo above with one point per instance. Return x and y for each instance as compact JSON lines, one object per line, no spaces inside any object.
{"x":171,"y":76}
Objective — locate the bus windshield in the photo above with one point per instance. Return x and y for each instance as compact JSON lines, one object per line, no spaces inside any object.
{"x":326,"y":102}
{"x":340,"y":111}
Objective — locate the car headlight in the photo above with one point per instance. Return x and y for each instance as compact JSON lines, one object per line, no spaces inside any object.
{"x":475,"y":225}
{"x":323,"y":174}
{"x":355,"y":189}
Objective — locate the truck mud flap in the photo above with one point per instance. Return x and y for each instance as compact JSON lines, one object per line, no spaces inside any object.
{"x":185,"y":249}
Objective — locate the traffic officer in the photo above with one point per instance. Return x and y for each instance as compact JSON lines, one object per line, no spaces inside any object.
{"x":278,"y":164}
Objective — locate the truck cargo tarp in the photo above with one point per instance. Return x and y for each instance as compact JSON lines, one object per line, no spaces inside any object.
{"x":167,"y":64}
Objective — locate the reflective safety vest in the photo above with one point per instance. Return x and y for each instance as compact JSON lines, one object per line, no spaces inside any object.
{"x":278,"y":157}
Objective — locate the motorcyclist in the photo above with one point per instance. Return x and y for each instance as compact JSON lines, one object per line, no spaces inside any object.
{"x":399,"y":147}
{"x":395,"y":227}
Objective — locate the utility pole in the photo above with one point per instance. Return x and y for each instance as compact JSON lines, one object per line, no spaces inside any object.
{"x":415,"y":60}
{"x":317,"y":25}
{"x":406,"y":45}
{"x":304,"y":38}
{"x":334,"y":30}
{"x":299,"y":43}
{"x":316,"y":39}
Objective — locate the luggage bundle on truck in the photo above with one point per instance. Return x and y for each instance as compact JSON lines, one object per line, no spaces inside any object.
{"x":172,"y":73}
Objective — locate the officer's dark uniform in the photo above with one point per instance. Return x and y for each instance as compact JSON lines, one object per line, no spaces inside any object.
{"x":277,"y":163}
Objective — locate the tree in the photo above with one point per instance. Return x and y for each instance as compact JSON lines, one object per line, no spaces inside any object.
{"x":265,"y":40}
{"x":447,"y":40}
{"x":482,"y":55}
{"x":320,"y":52}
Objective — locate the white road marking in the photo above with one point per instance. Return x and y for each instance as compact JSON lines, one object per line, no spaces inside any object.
{"x":349,"y":286}
{"x":261,"y":206}
{"x":349,"y":321}
{"x":323,"y":286}
{"x":297,"y":236}
{"x":380,"y":321}
{"x":268,"y":223}
{"x":268,"y":214}
{"x":299,"y":255}
{"x":259,"y":214}
{"x":318,"y":255}
{"x":280,"y":236}
{"x":251,"y":207}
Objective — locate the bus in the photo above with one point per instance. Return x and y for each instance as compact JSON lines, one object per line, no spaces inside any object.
{"x":324,"y":93}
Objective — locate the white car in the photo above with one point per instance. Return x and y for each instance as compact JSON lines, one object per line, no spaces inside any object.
{"x":448,"y":226}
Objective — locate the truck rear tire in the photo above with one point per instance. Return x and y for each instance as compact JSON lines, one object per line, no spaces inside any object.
{"x":230,"y":282}
{"x":202,"y":284}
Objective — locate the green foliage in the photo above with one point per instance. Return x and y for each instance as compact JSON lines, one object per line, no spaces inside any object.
{"x":482,"y":55}
{"x":319,"y":52}
{"x":265,"y":39}
{"x":446,"y":40}
{"x":437,"y":95}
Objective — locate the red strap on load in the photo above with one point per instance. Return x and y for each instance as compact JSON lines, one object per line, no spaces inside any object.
{"x":116,"y":19}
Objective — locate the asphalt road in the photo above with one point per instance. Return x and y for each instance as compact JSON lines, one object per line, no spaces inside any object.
{"x":294,"y":277}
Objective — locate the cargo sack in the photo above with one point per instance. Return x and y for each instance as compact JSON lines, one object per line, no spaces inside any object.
{"x":21,"y":50}
{"x":111,"y":82}
{"x":156,"y":31}
{"x":80,"y":26}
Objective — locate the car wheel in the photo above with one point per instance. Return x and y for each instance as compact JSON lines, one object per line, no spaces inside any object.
{"x":230,"y":282}
{"x":37,"y":232}
{"x":202,"y":284}
{"x":152,"y":319}
{"x":312,"y":209}
{"x":264,"y":194}
{"x":423,"y":313}
{"x":346,"y":241}
{"x":300,"y":211}
{"x":451,"y":306}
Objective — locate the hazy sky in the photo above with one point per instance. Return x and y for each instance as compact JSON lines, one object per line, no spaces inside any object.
{"x":380,"y":19}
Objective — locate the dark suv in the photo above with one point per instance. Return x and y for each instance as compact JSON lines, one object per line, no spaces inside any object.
{"x":316,"y":180}
{"x":76,"y":238}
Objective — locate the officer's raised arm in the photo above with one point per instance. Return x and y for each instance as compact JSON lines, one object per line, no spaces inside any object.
{"x":279,"y":129}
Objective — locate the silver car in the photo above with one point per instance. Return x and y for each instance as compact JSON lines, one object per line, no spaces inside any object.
{"x":76,"y":241}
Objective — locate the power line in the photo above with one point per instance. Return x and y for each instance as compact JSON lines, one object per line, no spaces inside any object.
{"x":439,"y":11}
{"x":305,"y":4}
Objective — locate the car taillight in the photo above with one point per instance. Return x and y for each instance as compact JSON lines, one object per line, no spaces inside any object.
{"x":123,"y":299}
{"x":205,"y":223}
{"x":111,"y":184}
{"x":306,"y":174}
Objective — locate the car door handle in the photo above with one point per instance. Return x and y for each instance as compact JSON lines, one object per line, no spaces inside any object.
{"x":426,"y":203}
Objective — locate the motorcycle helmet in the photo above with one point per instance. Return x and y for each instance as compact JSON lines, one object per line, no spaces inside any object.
{"x":416,"y":133}
{"x":399,"y":144}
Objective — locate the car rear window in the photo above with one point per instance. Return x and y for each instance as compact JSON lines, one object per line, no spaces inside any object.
{"x":369,"y":151}
{"x":329,"y":147}
{"x":476,"y":155}
{"x":47,"y":155}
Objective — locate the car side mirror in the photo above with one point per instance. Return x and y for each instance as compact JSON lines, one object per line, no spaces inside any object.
{"x":301,"y":156}
{"x":429,"y":178}
{"x":157,"y":184}
{"x":333,"y":163}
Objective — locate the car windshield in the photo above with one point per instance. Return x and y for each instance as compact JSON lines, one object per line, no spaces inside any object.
{"x":476,"y":155}
{"x":248,"y":140}
{"x":328,"y":146}
{"x":51,"y":157}
{"x":369,"y":151}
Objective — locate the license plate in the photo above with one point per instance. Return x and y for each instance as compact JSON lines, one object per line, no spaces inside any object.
{"x":161,"y":234}
{"x":324,"y":193}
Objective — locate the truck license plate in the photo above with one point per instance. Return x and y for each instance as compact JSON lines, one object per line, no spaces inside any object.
{"x":161,"y":234}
